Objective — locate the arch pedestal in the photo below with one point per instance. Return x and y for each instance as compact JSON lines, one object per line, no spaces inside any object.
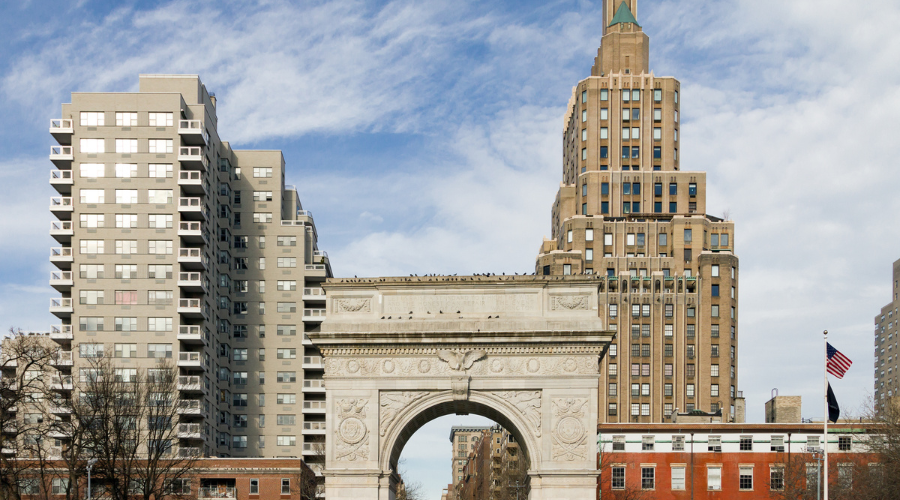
{"x":534,"y":370}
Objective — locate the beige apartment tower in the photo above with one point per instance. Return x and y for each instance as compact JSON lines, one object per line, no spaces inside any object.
{"x":887,"y":357}
{"x":173,"y":246}
{"x":628,"y":211}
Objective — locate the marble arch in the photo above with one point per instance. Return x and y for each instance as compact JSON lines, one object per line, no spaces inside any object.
{"x":521,"y":350}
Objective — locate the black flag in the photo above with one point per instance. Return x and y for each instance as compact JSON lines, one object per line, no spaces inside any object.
{"x":834,"y":411}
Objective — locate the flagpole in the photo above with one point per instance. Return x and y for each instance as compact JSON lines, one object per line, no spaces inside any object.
{"x":825,"y":446}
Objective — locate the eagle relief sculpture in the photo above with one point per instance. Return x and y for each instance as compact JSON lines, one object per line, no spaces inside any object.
{"x":460,"y":361}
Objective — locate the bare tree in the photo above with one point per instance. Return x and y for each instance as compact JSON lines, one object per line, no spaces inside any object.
{"x":408,"y":490}
{"x":130,"y":425}
{"x":25,"y":364}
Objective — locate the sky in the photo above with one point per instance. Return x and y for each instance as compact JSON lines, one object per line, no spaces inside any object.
{"x":426,"y":137}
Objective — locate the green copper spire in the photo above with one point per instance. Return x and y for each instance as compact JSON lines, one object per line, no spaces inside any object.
{"x":624,"y":15}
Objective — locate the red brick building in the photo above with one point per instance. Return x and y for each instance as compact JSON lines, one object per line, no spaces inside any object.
{"x":728,"y":461}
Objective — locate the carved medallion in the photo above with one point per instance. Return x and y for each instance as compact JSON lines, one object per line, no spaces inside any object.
{"x":424,"y":366}
{"x":351,"y":431}
{"x":568,"y":431}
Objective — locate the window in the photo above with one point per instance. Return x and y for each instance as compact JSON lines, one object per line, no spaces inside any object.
{"x":159,"y":196}
{"x":678,"y":477}
{"x":714,"y":290}
{"x":239,"y":400}
{"x":745,"y":478}
{"x":618,"y":477}
{"x":158,"y":271}
{"x":286,"y":262}
{"x":126,"y":146}
{"x":262,"y":172}
{"x":159,"y":324}
{"x":285,"y":485}
{"x":714,"y":311}
{"x":714,"y":478}
{"x":92,"y":146}
{"x":648,"y":476}
{"x":59,"y":485}
{"x":647,"y":443}
{"x":160,"y":119}
{"x":159,"y":221}
{"x":776,"y":477}
{"x":159,"y":351}
{"x":613,"y":371}
{"x":159,"y":146}
{"x":286,"y":420}
{"x":845,"y":443}
{"x":160,"y":170}
{"x":668,"y":370}
{"x":286,"y":307}
{"x":777,"y":444}
{"x":287,"y":377}
{"x":677,"y":443}
{"x":286,"y":354}
{"x":262,"y":217}
{"x":90,"y":350}
{"x":714,"y":444}
{"x":159,"y":247}
{"x":612,"y":409}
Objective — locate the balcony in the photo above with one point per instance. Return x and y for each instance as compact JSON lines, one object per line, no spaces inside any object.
{"x":61,"y":359}
{"x":57,"y":409}
{"x":216,"y":492}
{"x":314,"y":293}
{"x":192,"y":158}
{"x":188,"y":407}
{"x":61,"y":308}
{"x":61,"y":332}
{"x":190,"y":360}
{"x":62,"y":157}
{"x":320,"y":257}
{"x":61,"y":230}
{"x":192,"y":132}
{"x":313,"y":314}
{"x":189,"y":383}
{"x":191,"y":282}
{"x":61,"y":129}
{"x":191,"y":182}
{"x":316,"y":407}
{"x":190,"y":308}
{"x":312,"y":449}
{"x":191,"y":208}
{"x":62,"y":180}
{"x":62,"y":257}
{"x":61,"y":280}
{"x":62,"y":207}
{"x":306,"y":340}
{"x":58,"y":383}
{"x":189,"y":431}
{"x":314,"y":428}
{"x":190,"y":334}
{"x":315,"y":386}
{"x":191,"y":232}
{"x":192,"y":258}
{"x":313,"y":363}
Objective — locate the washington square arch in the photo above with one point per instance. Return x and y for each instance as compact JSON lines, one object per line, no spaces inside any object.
{"x":521,"y":350}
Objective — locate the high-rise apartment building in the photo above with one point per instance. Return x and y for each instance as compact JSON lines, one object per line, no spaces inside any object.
{"x":464,"y":440}
{"x":176,"y":247}
{"x":887,"y":357}
{"x":627,"y":210}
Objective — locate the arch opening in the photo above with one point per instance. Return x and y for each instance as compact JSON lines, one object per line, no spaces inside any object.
{"x":418,"y":417}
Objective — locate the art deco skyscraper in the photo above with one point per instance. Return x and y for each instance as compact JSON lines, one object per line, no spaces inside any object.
{"x":176,"y":247}
{"x":627,"y":210}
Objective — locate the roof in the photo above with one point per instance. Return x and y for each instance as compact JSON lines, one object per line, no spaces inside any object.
{"x":624,"y":15}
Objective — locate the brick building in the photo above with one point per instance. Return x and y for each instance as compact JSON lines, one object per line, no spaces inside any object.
{"x":725,"y":461}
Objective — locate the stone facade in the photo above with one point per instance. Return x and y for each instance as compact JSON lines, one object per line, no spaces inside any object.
{"x":522,"y":351}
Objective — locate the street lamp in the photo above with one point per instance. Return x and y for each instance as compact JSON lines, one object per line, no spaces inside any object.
{"x":90,"y":464}
{"x":818,"y":456}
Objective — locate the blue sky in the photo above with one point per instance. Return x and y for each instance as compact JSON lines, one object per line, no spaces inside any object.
{"x":426,"y":138}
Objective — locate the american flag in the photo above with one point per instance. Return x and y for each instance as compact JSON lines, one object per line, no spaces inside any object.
{"x":838,"y":364}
